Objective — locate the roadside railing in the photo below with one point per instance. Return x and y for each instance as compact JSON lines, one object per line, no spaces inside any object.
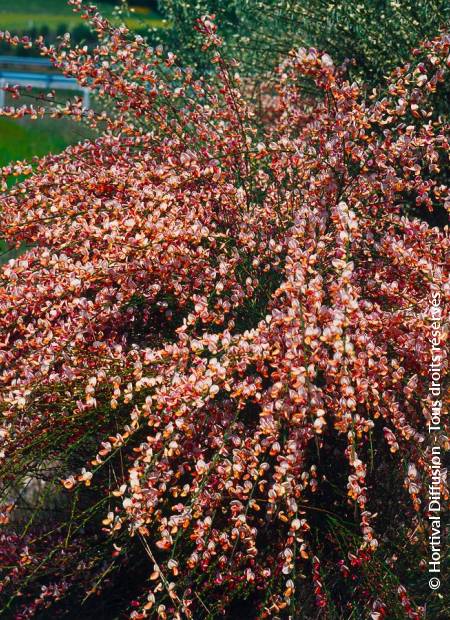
{"x":49,"y":81}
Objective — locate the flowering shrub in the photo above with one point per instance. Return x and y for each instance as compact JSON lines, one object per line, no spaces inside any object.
{"x":215,"y":348}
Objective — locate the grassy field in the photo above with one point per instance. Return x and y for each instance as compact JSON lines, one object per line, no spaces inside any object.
{"x":19,"y":15}
{"x":23,"y":140}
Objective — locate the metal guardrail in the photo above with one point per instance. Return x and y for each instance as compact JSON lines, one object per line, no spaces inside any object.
{"x":25,"y":61}
{"x":41,"y":80}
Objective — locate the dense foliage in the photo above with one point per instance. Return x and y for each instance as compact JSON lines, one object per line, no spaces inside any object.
{"x":377,"y":35}
{"x":214,"y":351}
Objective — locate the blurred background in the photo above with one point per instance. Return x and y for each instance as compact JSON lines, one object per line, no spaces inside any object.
{"x":22,"y":139}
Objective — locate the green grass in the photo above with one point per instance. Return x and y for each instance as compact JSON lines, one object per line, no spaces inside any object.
{"x":24,"y":140}
{"x":20,"y":15}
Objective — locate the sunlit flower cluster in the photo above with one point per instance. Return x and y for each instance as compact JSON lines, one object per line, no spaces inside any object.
{"x":222,"y":305}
